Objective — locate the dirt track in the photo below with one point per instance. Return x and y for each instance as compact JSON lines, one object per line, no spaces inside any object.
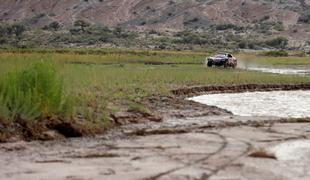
{"x":193,"y":141}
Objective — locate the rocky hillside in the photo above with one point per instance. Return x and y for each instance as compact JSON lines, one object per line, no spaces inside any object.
{"x":290,"y":18}
{"x":160,"y":14}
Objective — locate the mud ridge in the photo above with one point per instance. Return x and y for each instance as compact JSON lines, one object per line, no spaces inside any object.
{"x":132,"y":62}
{"x":199,"y":90}
{"x":221,"y":125}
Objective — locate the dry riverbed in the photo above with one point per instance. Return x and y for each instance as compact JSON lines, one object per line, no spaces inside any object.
{"x":193,"y":141}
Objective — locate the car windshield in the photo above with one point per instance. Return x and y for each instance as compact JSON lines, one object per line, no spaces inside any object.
{"x":220,"y":56}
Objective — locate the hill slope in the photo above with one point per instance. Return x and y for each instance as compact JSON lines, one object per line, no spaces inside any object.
{"x":163,"y":15}
{"x":173,"y":14}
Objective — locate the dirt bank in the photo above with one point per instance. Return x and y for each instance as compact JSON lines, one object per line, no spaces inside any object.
{"x":199,"y":90}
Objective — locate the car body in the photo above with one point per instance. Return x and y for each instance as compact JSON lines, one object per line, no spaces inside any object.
{"x":226,"y":60}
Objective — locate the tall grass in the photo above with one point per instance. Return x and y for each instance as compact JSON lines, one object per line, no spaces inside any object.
{"x":36,"y":92}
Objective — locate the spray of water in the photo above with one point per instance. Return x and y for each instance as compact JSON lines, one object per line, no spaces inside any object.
{"x":251,"y":65}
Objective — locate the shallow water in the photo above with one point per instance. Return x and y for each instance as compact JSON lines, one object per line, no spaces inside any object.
{"x":294,"y":104}
{"x":292,"y":150}
{"x":280,"y":71}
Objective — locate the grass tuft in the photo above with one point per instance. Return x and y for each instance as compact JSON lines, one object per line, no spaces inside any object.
{"x":32,"y":93}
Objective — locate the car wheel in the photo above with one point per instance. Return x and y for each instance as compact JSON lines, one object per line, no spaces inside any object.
{"x":209,"y":64}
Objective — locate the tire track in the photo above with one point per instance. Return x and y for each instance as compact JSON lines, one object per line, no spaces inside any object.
{"x":220,"y":149}
{"x":230,"y":161}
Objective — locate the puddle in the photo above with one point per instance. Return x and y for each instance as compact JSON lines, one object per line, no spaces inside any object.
{"x":291,"y":104}
{"x":293,"y":150}
{"x":281,"y":71}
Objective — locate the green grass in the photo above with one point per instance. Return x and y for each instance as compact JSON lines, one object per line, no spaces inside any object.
{"x":111,"y":79}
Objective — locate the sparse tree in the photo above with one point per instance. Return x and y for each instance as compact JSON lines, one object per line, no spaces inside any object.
{"x":118,"y":31}
{"x":3,"y":30}
{"x":54,"y":26}
{"x":16,"y":29}
{"x":81,"y":24}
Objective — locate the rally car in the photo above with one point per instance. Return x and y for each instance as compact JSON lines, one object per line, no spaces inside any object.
{"x":226,"y":60}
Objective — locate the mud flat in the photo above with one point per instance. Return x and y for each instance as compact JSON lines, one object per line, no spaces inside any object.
{"x":240,"y":152}
{"x":193,"y":141}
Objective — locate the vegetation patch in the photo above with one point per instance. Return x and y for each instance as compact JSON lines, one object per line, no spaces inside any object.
{"x":33,"y":100}
{"x":75,"y":92}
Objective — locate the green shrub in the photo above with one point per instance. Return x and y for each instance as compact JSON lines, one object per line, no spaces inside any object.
{"x":36,"y":92}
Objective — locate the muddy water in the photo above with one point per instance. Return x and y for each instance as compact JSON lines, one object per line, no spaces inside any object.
{"x":294,"y":104}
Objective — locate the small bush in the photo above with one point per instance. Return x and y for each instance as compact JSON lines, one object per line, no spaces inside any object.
{"x":279,"y":26}
{"x":305,"y":17}
{"x":275,"y":53}
{"x":12,"y":30}
{"x":265,"y":18}
{"x":279,"y":42}
{"x":221,"y":27}
{"x":54,"y":26}
{"x":36,"y":92}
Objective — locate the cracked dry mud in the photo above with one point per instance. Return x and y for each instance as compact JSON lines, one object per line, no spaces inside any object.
{"x":206,"y":147}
